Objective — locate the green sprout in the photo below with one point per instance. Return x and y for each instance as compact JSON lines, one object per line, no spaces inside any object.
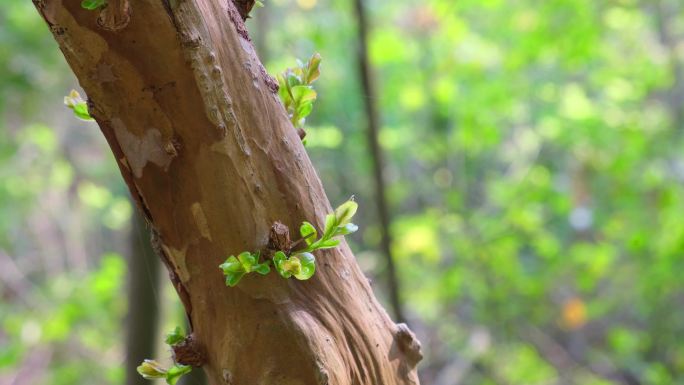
{"x":152,"y":370}
{"x":175,"y":337}
{"x":336,"y":224}
{"x":236,"y":268}
{"x":78,"y":105}
{"x":300,"y":263}
{"x":296,"y":90}
{"x":92,"y":5}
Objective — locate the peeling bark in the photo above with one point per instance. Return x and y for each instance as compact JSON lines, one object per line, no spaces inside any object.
{"x":212,"y":161}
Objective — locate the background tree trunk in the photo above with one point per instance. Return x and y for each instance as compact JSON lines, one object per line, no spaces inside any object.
{"x":377,"y":159}
{"x":142,"y":324}
{"x":209,"y":154}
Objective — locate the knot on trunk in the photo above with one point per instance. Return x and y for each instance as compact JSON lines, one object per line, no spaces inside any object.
{"x":408,"y":344}
{"x":188,"y":352}
{"x":279,"y":237}
{"x":115,"y":16}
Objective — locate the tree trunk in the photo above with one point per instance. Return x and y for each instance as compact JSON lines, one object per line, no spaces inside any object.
{"x":212,"y":160}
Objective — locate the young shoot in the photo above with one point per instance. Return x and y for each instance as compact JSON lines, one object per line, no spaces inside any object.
{"x":236,"y":268}
{"x":152,"y":370}
{"x":78,"y":105}
{"x":296,"y":90}
{"x":336,"y":223}
{"x":300,"y":263}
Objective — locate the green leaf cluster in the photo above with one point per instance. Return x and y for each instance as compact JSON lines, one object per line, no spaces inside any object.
{"x":300,"y":264}
{"x":78,"y":105}
{"x":152,"y":370}
{"x":296,"y":90}
{"x":92,"y":5}
{"x":236,"y":268}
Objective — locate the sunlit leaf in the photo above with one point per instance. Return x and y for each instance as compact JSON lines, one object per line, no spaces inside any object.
{"x":313,"y":71}
{"x":151,"y":370}
{"x":308,"y":232}
{"x":307,"y":266}
{"x":345,"y":212}
{"x":77,"y":105}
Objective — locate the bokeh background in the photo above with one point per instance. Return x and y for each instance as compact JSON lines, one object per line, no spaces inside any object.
{"x":534,"y":175}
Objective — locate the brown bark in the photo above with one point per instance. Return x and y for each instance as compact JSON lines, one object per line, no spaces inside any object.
{"x":209,"y":154}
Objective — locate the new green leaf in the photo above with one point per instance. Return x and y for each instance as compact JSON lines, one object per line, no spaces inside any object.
{"x":176,"y":336}
{"x":78,"y":105}
{"x":151,"y":369}
{"x":308,"y":232}
{"x":302,"y":266}
{"x":345,"y":212}
{"x":296,"y":91}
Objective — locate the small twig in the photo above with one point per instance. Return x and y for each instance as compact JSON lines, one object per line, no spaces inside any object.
{"x":297,"y":242}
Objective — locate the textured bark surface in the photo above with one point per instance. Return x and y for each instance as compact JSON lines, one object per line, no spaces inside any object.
{"x":210,"y":156}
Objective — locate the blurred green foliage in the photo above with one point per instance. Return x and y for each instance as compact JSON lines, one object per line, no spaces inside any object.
{"x":535,"y":171}
{"x":66,"y":333}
